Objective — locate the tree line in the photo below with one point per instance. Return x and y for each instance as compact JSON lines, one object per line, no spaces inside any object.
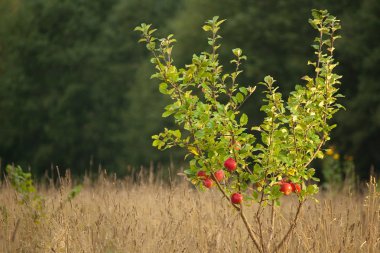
{"x":75,"y":87}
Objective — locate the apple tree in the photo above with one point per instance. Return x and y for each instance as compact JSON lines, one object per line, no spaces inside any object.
{"x":260,"y":163}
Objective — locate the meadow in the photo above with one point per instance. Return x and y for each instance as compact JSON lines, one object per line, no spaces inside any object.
{"x":148,"y":215}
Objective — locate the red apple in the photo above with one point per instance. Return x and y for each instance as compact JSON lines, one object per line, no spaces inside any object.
{"x":296,"y":187}
{"x":208,"y":183}
{"x":201,"y":174}
{"x":236,"y":198}
{"x":230,"y":164}
{"x":286,"y":188}
{"x":219,"y":175}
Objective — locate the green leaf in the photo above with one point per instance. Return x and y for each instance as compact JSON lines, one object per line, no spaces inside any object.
{"x":167,"y":114}
{"x":163,"y":88}
{"x":155,"y":143}
{"x":177,"y":134}
{"x":243,"y":90}
{"x":312,"y":189}
{"x":207,"y":28}
{"x":243,"y":119}
{"x":220,"y":22}
{"x":269,"y":80}
{"x":239,"y":97}
{"x":237,"y":52}
{"x":199,"y":134}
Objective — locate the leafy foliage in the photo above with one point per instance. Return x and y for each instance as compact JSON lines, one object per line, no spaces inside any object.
{"x":22,"y":183}
{"x":206,"y":103}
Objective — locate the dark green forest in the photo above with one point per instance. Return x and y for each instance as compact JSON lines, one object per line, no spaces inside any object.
{"x":75,"y":87}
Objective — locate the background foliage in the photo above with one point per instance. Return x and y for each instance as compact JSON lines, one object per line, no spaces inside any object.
{"x":75,"y":88}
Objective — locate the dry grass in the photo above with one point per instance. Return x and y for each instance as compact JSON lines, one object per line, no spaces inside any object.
{"x":119,"y":216}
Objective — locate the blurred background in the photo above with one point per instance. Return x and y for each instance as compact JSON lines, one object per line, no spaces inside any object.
{"x":75,"y":87}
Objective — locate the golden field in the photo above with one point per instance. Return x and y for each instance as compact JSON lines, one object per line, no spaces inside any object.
{"x":150,"y":216}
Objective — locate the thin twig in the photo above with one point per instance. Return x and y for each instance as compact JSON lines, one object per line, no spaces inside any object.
{"x":245,"y":99}
{"x":316,"y":151}
{"x":291,"y":228}
{"x":250,"y":231}
{"x":271,"y":232}
{"x":261,"y":233}
{"x":223,"y":192}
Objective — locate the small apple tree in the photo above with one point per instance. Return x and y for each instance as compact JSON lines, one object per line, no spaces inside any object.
{"x":261,"y":163}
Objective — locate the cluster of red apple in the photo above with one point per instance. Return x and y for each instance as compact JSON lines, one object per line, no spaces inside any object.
{"x":230,"y":165}
{"x":288,"y":187}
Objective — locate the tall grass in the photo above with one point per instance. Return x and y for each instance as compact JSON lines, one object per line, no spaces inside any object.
{"x":149,"y":216}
